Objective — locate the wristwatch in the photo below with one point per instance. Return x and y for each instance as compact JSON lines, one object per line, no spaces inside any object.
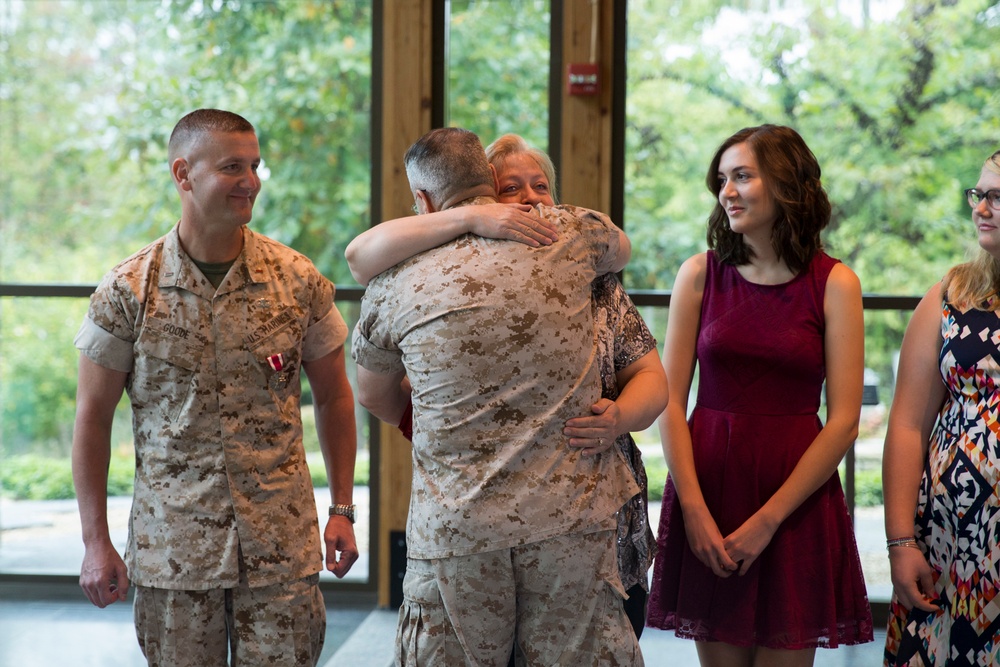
{"x":343,"y":510}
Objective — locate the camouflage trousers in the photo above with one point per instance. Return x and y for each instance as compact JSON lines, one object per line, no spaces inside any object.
{"x":283,"y":624}
{"x":558,"y":601}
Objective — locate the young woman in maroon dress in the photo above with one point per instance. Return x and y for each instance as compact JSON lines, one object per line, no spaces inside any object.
{"x":756,"y":557}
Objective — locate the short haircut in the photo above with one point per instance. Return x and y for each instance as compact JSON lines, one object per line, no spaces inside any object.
{"x":510,"y":145}
{"x":201,"y":121}
{"x":791,"y":174}
{"x":447,"y":162}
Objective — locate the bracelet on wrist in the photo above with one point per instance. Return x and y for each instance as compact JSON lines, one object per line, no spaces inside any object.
{"x":908,"y":541}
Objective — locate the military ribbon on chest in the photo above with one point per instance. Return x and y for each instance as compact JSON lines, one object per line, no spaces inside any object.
{"x":277,"y":364}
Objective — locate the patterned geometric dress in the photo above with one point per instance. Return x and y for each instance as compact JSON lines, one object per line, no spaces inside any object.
{"x":958,"y":507}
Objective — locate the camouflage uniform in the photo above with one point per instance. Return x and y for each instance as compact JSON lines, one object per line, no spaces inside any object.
{"x":214,"y":385}
{"x":499,"y":345}
{"x":282,"y":624}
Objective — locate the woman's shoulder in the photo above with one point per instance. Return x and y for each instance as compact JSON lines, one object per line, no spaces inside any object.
{"x":824,"y":263}
{"x":700,"y":262}
{"x":826,"y":270}
{"x":842,"y":273}
{"x":838,"y":284}
{"x":692,"y":276}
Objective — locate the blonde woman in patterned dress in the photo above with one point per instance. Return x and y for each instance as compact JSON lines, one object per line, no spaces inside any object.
{"x":941,"y":467}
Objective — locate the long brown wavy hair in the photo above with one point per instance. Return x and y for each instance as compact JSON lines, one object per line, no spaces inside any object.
{"x":791,"y":173}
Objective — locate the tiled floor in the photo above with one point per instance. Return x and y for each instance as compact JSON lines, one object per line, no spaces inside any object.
{"x":50,"y":625}
{"x":53,"y":625}
{"x":44,"y":625}
{"x":368,"y":647}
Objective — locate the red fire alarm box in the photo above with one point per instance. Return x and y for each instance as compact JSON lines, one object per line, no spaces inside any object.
{"x":582,"y":79}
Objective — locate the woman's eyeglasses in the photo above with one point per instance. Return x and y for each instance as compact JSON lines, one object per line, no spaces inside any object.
{"x":975,"y":196}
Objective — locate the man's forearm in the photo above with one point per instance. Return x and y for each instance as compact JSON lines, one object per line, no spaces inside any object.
{"x":338,"y":441}
{"x":90,"y":479}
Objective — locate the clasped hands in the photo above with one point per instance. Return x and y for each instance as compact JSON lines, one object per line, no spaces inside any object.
{"x":732,"y":554}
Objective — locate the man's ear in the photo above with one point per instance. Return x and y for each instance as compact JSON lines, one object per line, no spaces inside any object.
{"x":424,"y":203}
{"x":179,"y":171}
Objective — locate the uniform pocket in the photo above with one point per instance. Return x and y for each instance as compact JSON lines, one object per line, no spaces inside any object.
{"x":165,"y":371}
{"x":424,"y":635}
{"x":278,"y":358}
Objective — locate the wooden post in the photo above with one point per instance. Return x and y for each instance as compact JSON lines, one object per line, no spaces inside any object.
{"x":404,"y":109}
{"x":402,"y":114}
{"x":586,"y":129}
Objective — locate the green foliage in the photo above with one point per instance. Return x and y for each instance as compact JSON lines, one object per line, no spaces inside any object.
{"x":656,"y":476}
{"x":868,"y":488}
{"x":34,"y":477}
{"x":498,"y":74}
{"x":900,"y":110}
{"x":38,"y":372}
{"x":900,"y":118}
{"x":91,"y":90}
{"x":87,"y":123}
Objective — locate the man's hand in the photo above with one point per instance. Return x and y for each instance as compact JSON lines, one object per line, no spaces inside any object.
{"x":103,"y":577}
{"x":339,"y":538}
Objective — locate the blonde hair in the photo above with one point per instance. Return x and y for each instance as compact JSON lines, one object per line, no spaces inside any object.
{"x":975,"y":284}
{"x":510,"y":145}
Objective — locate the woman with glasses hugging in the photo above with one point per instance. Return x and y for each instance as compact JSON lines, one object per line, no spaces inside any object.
{"x":941,"y":466}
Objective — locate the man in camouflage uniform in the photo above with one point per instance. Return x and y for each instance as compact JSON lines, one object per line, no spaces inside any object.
{"x":207,"y":329}
{"x":510,"y":535}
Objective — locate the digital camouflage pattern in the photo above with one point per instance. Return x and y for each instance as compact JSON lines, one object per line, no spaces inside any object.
{"x":498,"y":341}
{"x":623,"y":338}
{"x":214,"y":386}
{"x":462,"y":610}
{"x":283,"y":624}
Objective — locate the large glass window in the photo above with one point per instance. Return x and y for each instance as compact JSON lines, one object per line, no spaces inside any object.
{"x":498,"y":68}
{"x":89,"y":93}
{"x":898,"y":101}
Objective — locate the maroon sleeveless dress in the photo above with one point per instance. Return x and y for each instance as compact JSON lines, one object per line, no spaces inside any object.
{"x":761,"y":371}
